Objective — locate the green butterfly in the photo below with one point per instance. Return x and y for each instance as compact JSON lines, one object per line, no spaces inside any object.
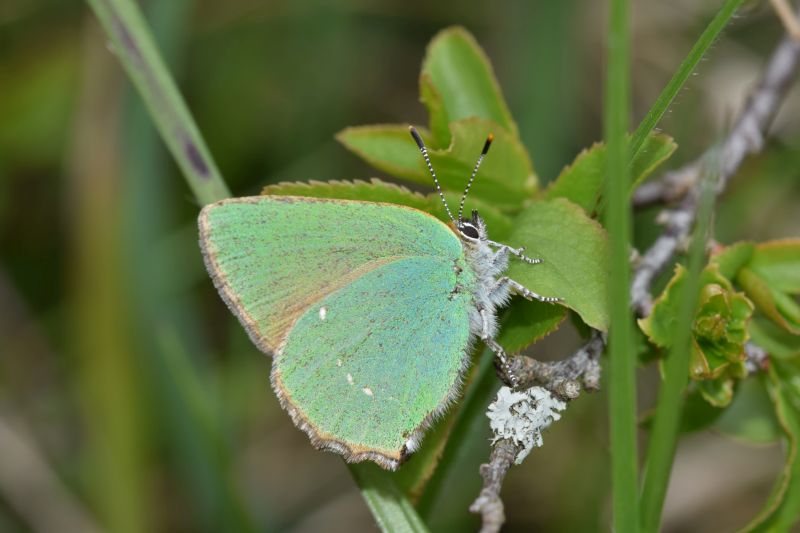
{"x":369,"y":309}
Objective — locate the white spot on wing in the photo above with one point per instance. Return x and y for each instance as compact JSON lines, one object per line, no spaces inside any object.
{"x":350,"y":378}
{"x":367,"y":391}
{"x":338,"y":362}
{"x":323,"y":312}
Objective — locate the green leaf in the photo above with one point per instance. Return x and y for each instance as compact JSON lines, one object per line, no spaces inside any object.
{"x":390,"y":148}
{"x":751,"y":416}
{"x":778,"y":264}
{"x":391,"y":509}
{"x":731,"y":259}
{"x":782,"y":509}
{"x":526,"y":322}
{"x":778,"y":342}
{"x":373,"y":191}
{"x":462,"y":76}
{"x":381,"y":191}
{"x":717,"y":392}
{"x":582,"y":181}
{"x":776,"y":305}
{"x":719,"y":331}
{"x":574,"y":249}
{"x":505,"y":179}
{"x":437,"y":116}
{"x":657,"y":148}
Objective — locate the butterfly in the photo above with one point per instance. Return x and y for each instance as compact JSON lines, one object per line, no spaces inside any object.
{"x":369,"y":310}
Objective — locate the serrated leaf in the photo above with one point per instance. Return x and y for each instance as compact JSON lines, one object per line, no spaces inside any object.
{"x":505,"y":179}
{"x":657,"y":148}
{"x":376,"y":190}
{"x":463,"y":77}
{"x":437,"y":116}
{"x":782,"y":509}
{"x":390,"y":148}
{"x":526,"y":322}
{"x":574,"y":249}
{"x":731,"y":259}
{"x":582,"y":181}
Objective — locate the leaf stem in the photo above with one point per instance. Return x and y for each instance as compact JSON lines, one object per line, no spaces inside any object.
{"x":622,"y":384}
{"x":664,"y":436}
{"x":389,"y":506}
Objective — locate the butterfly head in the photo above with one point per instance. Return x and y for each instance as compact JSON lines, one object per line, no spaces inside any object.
{"x":472,"y":230}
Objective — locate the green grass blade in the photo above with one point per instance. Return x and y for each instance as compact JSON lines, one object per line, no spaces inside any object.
{"x":664,"y":435}
{"x":456,"y":483}
{"x":134,"y":46}
{"x":685,"y":70}
{"x":391,"y":509}
{"x":622,"y":361}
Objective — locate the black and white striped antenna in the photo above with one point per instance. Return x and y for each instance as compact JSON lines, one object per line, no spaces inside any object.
{"x":486,"y":146}
{"x":425,"y":156}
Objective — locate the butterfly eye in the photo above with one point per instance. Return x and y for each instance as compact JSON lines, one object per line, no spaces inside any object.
{"x":468,"y":230}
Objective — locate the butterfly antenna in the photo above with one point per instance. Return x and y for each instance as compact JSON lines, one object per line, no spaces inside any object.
{"x":425,"y":156}
{"x":486,"y":146}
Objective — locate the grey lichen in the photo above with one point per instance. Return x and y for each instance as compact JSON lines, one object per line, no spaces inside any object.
{"x":522,"y":416}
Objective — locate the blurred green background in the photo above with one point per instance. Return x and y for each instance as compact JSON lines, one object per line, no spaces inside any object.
{"x":131,"y":400}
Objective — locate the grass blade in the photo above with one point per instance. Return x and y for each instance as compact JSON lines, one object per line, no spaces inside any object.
{"x":389,"y":506}
{"x":134,"y":46}
{"x":622,"y":384}
{"x":685,"y":70}
{"x":664,"y":435}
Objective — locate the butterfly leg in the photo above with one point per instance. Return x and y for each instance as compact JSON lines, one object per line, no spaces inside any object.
{"x":498,"y":350}
{"x":507,"y":284}
{"x":504,"y":248}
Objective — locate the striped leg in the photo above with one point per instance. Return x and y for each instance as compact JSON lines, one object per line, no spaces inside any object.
{"x":498,"y":350}
{"x":517,"y":288}
{"x":517,"y":252}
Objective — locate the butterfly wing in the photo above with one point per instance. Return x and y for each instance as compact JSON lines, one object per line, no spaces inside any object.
{"x":272,"y":257}
{"x":364,"y":305}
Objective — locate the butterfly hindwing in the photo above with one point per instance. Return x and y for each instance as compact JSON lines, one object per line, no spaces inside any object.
{"x":366,"y":368}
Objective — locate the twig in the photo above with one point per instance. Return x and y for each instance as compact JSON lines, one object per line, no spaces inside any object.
{"x":788,"y":18}
{"x":564,"y":379}
{"x":488,"y":504}
{"x":747,"y":137}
